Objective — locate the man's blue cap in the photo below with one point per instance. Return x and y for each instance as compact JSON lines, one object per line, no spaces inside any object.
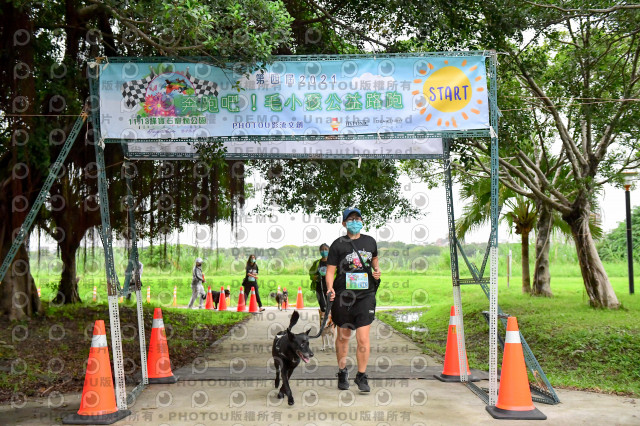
{"x":350,"y":210}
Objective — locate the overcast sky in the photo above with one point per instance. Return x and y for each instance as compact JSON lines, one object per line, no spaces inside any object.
{"x":296,"y":229}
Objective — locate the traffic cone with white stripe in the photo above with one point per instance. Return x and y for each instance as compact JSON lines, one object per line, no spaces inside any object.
{"x":222,"y":303}
{"x":253,"y":302}
{"x":98,"y":403}
{"x":158,"y":363}
{"x":241,"y":303}
{"x":514,"y":395}
{"x":300,"y":301}
{"x":451,"y":370}
{"x":209,"y":303}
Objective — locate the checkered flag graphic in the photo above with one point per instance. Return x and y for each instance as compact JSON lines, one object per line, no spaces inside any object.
{"x":202,"y":87}
{"x":133,"y":91}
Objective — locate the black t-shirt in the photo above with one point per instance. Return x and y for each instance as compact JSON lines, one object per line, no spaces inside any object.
{"x":322,"y":273}
{"x":252,"y":269}
{"x":342,"y":255}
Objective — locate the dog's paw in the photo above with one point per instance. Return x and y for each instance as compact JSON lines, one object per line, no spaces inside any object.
{"x":280,"y":395}
{"x":291,"y":402}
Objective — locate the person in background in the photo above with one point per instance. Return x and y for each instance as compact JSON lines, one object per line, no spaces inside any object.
{"x":317,"y":274}
{"x":140,"y":267}
{"x":251,"y":281}
{"x":197,"y":289}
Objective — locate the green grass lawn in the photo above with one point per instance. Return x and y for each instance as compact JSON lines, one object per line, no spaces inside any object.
{"x":577,"y":346}
{"x":54,"y":356}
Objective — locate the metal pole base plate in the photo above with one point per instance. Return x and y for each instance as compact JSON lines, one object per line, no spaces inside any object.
{"x":448,"y":378}
{"x":163,"y":380}
{"x":105,"y":419}
{"x":498,"y":413}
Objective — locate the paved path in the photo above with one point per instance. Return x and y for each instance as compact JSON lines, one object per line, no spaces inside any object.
{"x":232,"y":384}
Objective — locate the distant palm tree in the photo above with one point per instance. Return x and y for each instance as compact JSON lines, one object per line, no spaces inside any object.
{"x":521,"y":215}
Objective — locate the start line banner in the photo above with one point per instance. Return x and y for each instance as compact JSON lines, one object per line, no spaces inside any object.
{"x":364,"y":99}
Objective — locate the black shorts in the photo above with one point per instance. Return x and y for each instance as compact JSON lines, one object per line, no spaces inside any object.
{"x":351,"y":312}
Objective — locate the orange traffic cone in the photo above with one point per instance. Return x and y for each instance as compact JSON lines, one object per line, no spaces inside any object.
{"x":222,"y":303}
{"x":98,"y":404}
{"x":253,"y":302}
{"x":451,"y":370}
{"x":514,"y":395}
{"x":299,"y":302}
{"x":241,"y":303}
{"x":158,"y":363}
{"x":209,"y":303}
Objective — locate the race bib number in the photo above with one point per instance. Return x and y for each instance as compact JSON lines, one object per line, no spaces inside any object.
{"x":357,"y":281}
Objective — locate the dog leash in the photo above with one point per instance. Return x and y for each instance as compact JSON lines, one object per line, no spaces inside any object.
{"x":324,"y":320}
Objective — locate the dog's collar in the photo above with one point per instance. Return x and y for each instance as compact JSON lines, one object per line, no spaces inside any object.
{"x":283,"y":355}
{"x":279,"y":339}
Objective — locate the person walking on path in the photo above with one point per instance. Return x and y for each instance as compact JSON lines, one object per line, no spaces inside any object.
{"x":251,"y":280}
{"x":317,"y":274}
{"x":197,"y":289}
{"x":352,"y":279}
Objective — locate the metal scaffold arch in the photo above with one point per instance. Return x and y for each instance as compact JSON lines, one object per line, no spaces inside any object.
{"x":119,"y":85}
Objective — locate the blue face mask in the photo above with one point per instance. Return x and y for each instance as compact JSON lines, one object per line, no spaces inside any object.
{"x":252,"y":261}
{"x":354,"y":227}
{"x":324,"y":253}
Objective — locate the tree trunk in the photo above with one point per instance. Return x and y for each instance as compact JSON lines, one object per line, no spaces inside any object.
{"x":596,"y":281}
{"x":541,"y":273}
{"x":18,"y":293}
{"x":19,"y":298}
{"x":68,"y":286}
{"x":526,"y":276}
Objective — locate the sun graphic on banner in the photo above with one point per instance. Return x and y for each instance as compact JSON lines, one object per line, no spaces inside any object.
{"x":450,"y":91}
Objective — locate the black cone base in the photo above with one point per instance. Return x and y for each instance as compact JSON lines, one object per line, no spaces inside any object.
{"x":499,"y":413}
{"x":104,"y":419}
{"x":448,"y":378}
{"x":163,"y":380}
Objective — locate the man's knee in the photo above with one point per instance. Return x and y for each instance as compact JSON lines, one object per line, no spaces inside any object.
{"x":344,"y":334}
{"x":362,"y":337}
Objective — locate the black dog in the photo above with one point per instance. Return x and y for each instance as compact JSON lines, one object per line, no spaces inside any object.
{"x":288,"y":349}
{"x":216,"y":296}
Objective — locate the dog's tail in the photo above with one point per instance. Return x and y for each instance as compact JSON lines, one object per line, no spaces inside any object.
{"x":294,"y":320}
